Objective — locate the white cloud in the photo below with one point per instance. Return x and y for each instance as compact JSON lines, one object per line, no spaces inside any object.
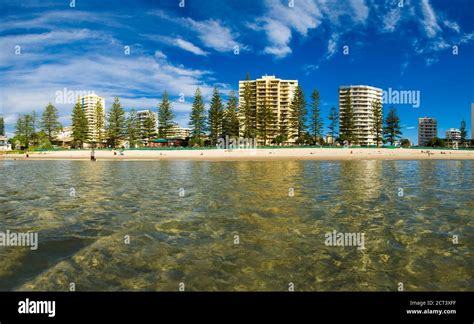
{"x":430,"y":22}
{"x":32,"y":79}
{"x":188,"y":46}
{"x":332,"y":45}
{"x":310,"y":68}
{"x":360,"y":9}
{"x":30,"y":45}
{"x":281,"y":22}
{"x":177,"y":42}
{"x":278,"y":51}
{"x":160,"y":55}
{"x":213,"y":34}
{"x":467,"y":38}
{"x":431,"y":60}
{"x":51,"y":19}
{"x":453,"y":25}
{"x":391,"y":20}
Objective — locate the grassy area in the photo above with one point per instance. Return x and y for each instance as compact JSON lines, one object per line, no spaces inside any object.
{"x":215,"y":148}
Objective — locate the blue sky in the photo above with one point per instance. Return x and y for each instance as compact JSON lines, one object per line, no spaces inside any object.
{"x":175,"y":48}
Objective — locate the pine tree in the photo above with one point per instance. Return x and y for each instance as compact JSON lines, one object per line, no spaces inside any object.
{"x":165,"y":117}
{"x":197,"y":118}
{"x":133,"y":128}
{"x":149,"y":127}
{"x":2,"y":126}
{"x":20,"y":130}
{"x":248,"y":111}
{"x":216,"y":114}
{"x":377,"y":121}
{"x":282,"y":131}
{"x":334,"y":120}
{"x":347,"y":122}
{"x":463,"y":131}
{"x":298,"y":115}
{"x":25,"y":129}
{"x":284,"y":124}
{"x":392,"y":129}
{"x":80,"y":126}
{"x":99,"y":122}
{"x":49,"y":121}
{"x":33,"y":119}
{"x":316,"y":119}
{"x":266,"y":119}
{"x":116,"y":126}
{"x":231,"y":118}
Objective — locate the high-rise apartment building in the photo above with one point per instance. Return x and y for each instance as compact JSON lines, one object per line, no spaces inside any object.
{"x":362,"y":98}
{"x":89,"y":105}
{"x":277,"y":94}
{"x":427,"y":129}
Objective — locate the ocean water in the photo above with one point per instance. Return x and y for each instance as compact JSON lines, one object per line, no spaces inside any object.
{"x":238,"y":226}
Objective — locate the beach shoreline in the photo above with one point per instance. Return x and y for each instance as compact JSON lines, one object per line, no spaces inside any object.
{"x":264,"y":154}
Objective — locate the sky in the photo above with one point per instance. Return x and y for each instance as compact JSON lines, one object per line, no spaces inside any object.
{"x":137,"y":49}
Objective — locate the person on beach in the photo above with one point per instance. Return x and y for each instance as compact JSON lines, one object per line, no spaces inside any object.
{"x":92,"y":154}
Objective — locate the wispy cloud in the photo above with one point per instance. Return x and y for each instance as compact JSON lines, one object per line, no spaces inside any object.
{"x":49,"y":62}
{"x":215,"y":35}
{"x":281,"y":20}
{"x":65,"y":18}
{"x":391,"y":19}
{"x":178,"y":42}
{"x":212,"y":33}
{"x":430,"y":21}
{"x":190,"y":47}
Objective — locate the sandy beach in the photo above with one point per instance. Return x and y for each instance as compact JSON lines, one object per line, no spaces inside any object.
{"x":253,"y":155}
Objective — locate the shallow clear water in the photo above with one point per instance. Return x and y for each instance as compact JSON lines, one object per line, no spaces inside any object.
{"x":190,"y":239}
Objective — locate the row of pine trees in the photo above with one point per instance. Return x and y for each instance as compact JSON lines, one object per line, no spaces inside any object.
{"x":39,"y":131}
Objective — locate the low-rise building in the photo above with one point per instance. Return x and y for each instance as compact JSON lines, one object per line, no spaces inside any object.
{"x":453,"y":137}
{"x":453,"y":134}
{"x":64,"y":137}
{"x":179,"y":132}
{"x":4,"y":145}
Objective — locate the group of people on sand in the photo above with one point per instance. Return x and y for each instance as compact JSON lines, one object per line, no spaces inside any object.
{"x":427,"y":152}
{"x":93,"y":158}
